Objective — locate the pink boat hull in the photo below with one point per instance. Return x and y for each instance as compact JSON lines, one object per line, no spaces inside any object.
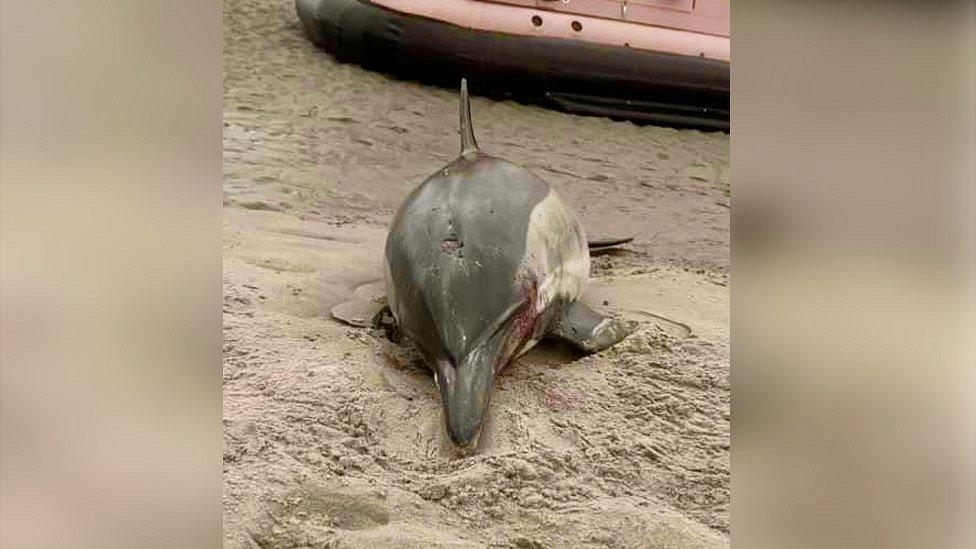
{"x":657,"y":61}
{"x":696,"y":28}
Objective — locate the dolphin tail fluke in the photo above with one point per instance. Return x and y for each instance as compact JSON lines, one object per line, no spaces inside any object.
{"x":468,"y":144}
{"x":607,"y":243}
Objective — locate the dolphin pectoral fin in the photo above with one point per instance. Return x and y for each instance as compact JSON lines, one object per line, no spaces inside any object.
{"x":588,"y":329}
{"x":358,"y":313}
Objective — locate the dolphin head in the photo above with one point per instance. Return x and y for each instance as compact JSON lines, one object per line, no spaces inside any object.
{"x":464,"y":363}
{"x":458,"y":285}
{"x":464,"y":369}
{"x":465,"y":388}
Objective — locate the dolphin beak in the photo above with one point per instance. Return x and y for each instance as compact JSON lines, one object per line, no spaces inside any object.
{"x":465,"y":395}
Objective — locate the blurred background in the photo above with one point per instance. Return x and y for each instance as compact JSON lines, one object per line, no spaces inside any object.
{"x":853,"y":274}
{"x":853,"y":257}
{"x":110,"y":303}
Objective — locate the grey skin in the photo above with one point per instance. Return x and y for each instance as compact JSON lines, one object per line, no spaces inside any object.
{"x":482,"y":261}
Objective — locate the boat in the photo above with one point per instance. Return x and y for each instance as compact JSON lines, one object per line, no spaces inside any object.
{"x":665,"y":62}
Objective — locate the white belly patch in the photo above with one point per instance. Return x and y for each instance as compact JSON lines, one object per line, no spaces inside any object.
{"x":556,"y":251}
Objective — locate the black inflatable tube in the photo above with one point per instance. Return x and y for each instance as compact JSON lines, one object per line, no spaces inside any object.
{"x":573,"y":75}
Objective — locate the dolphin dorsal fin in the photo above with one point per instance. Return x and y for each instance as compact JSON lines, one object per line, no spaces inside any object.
{"x":468,"y":144}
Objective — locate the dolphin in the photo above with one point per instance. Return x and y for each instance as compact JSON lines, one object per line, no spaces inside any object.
{"x":483,"y":260}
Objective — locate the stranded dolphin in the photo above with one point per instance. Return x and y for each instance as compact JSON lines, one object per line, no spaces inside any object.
{"x":482,"y":261}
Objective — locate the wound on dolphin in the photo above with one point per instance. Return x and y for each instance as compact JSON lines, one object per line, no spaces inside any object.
{"x":483,"y":260}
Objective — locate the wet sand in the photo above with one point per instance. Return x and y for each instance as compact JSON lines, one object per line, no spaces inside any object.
{"x":333,"y":435}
